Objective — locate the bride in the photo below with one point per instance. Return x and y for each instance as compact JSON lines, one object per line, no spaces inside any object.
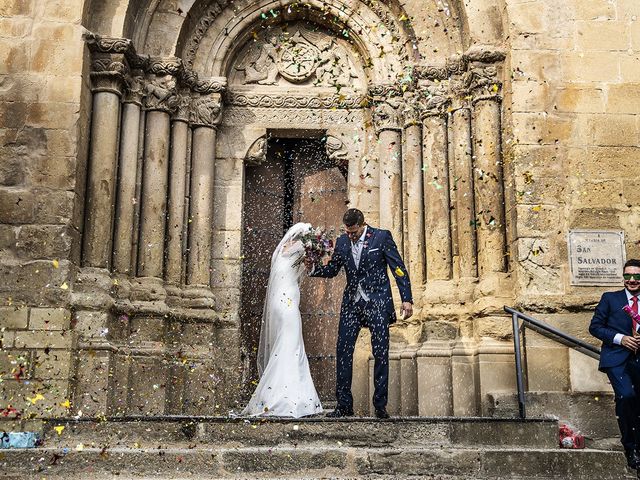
{"x":286,"y":388}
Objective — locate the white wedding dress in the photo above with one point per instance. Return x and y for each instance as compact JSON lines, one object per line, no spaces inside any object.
{"x":285,"y":388}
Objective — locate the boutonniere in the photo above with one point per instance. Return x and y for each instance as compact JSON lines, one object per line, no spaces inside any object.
{"x":365,"y":245}
{"x":368,"y":234}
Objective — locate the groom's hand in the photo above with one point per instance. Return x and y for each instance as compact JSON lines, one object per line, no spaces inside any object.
{"x":407,"y":310}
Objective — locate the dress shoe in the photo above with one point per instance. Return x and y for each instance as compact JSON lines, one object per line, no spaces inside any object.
{"x":381,"y":413}
{"x":340,"y":412}
{"x":633,"y":458}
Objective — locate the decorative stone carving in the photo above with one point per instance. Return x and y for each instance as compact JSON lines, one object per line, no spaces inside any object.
{"x":161,"y":94}
{"x":208,"y":17}
{"x":297,"y":58}
{"x":135,"y":88}
{"x":387,"y":101}
{"x":333,"y":67}
{"x":183,"y":107}
{"x":165,"y":66}
{"x":107,"y":73}
{"x":257,"y":152}
{"x":206,"y":111}
{"x":97,"y":43}
{"x":433,"y":97}
{"x":261,"y":65}
{"x":336,"y":151}
{"x":411,"y":108}
{"x":285,"y":117}
{"x":296,"y":101}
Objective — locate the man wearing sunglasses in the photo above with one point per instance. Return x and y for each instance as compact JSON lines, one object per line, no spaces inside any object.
{"x":619,"y":357}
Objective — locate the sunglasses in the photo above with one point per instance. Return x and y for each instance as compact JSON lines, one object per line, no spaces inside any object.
{"x":631,"y":276}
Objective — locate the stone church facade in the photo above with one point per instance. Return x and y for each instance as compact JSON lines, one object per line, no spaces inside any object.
{"x":154,"y":150}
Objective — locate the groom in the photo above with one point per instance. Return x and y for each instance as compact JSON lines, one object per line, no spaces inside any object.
{"x":365,"y":253}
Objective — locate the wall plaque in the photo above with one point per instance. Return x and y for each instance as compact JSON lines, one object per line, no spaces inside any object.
{"x":596,"y":257}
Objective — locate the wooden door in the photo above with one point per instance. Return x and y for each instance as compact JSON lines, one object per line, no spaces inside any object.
{"x":321,"y":197}
{"x":296,"y":183}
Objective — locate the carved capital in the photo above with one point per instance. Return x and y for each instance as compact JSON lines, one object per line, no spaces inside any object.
{"x":209,"y":86}
{"x":134,"y":88}
{"x":183,"y":107}
{"x":99,"y":44}
{"x":411,"y":108}
{"x":107,"y":73}
{"x":163,"y":66}
{"x":433,"y":98}
{"x":206,"y":111}
{"x":161,"y":94}
{"x":257,"y":152}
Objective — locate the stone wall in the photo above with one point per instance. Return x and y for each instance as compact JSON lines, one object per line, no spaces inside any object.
{"x":43,"y":114}
{"x":569,"y":135}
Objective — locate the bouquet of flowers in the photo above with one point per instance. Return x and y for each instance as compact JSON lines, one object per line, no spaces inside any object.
{"x":317,"y":245}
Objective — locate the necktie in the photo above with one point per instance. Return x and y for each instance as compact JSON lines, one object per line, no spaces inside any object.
{"x":634,"y":308}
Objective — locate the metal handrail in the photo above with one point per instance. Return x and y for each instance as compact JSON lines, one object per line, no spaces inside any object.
{"x":548,"y":331}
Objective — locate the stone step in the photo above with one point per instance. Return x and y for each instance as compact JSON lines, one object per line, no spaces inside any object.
{"x":313,"y":462}
{"x":592,"y":413}
{"x":166,"y":432}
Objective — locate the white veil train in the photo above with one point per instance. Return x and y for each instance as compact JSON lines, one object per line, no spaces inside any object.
{"x":286,"y":388}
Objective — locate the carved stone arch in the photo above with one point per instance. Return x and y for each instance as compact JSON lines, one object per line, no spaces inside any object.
{"x":212,"y":44}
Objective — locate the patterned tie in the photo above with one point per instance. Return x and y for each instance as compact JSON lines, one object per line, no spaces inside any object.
{"x":634,"y":307}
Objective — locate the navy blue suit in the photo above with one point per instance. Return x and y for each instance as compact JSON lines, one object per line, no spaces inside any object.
{"x":619,"y":363}
{"x":379,"y":252}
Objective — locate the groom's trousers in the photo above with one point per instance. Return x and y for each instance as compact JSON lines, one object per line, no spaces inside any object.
{"x":352,"y":318}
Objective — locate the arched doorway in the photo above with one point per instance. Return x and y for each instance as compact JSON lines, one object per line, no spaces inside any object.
{"x":296,"y":182}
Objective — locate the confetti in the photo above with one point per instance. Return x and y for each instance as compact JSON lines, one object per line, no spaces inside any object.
{"x":398,"y":271}
{"x":59,"y":429}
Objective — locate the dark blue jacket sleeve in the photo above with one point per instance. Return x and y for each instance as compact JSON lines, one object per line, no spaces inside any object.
{"x":397,"y":267}
{"x":599,"y":327}
{"x":332,"y":268}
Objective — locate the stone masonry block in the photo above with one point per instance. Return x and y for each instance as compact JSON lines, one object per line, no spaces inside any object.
{"x":614,"y":130}
{"x":579,"y":98}
{"x":589,"y":67}
{"x":15,"y":364}
{"x":14,"y":56}
{"x":49,"y":319}
{"x":13,"y":318}
{"x":68,"y":11}
{"x":44,"y":241}
{"x":16,"y":206}
{"x":624,"y":98}
{"x":10,"y":8}
{"x":605,"y":36}
{"x":529,"y":96}
{"x":52,"y":364}
{"x":594,"y":10}
{"x":43,"y":339}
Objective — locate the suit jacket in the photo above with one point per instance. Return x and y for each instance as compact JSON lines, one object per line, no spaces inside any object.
{"x":608,"y":320}
{"x":379,"y":251}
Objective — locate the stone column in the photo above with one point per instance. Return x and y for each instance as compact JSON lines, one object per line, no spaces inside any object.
{"x":126,"y":200}
{"x":205,"y":116}
{"x":409,"y":381}
{"x":107,"y":83}
{"x":177,"y":191}
{"x":161,"y":101}
{"x":435,"y":396}
{"x":462,"y":174}
{"x":488,"y":179}
{"x":414,"y":241}
{"x":436,"y":186}
{"x":387,"y":124}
